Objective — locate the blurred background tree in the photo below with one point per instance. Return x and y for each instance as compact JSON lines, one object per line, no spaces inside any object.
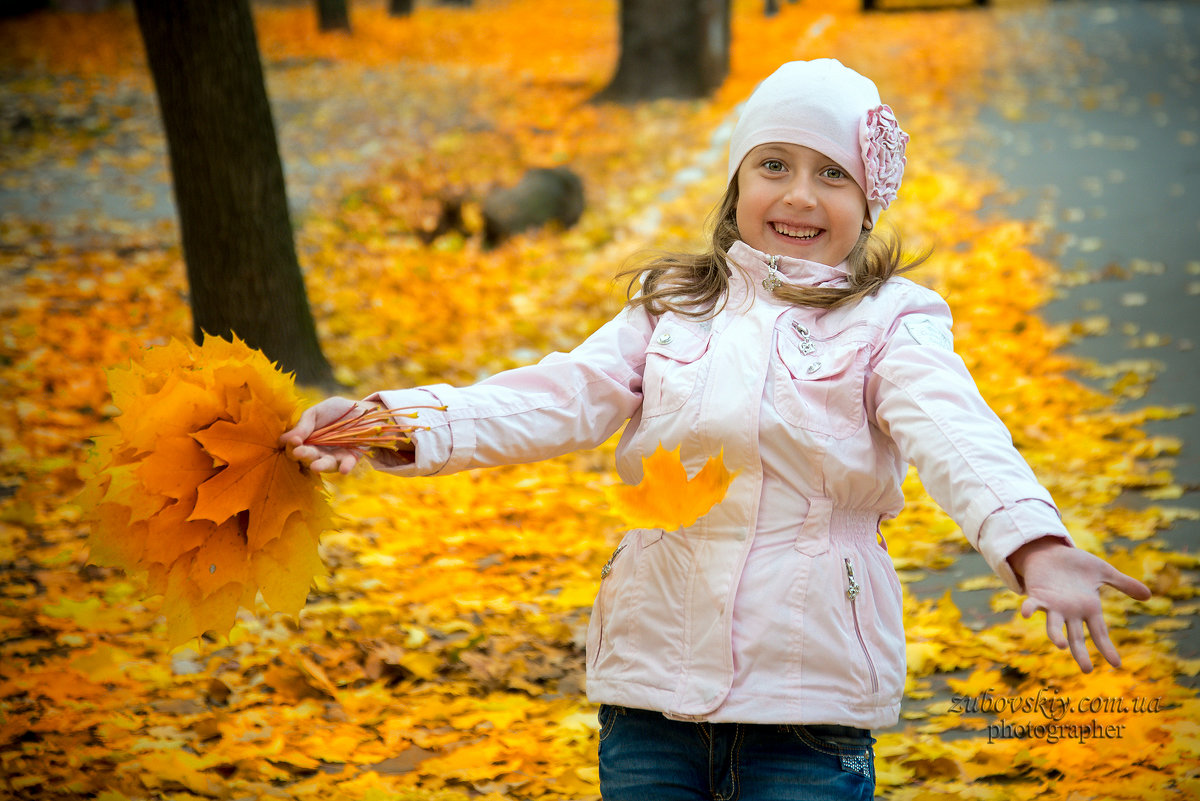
{"x":670,"y":48}
{"x":333,"y":15}
{"x":238,"y":242}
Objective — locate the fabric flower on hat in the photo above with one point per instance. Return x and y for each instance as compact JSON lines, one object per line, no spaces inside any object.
{"x":882,"y":144}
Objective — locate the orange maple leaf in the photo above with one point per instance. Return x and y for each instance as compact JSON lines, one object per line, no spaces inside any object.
{"x":258,"y":476}
{"x":176,"y":467}
{"x":166,"y":412}
{"x":170,"y":535}
{"x":666,"y":498}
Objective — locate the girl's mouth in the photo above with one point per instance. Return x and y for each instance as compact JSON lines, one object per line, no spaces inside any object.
{"x":796,"y":232}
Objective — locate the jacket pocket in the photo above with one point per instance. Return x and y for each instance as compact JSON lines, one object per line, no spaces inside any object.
{"x":596,"y":627}
{"x":673,"y":365}
{"x":821,"y":389}
{"x":618,"y":586}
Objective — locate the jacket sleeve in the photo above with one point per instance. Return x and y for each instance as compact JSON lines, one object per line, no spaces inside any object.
{"x":924,"y":398}
{"x":563,"y":403}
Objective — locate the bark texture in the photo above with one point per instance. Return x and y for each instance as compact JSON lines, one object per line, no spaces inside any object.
{"x":670,"y":49}
{"x":333,"y":15}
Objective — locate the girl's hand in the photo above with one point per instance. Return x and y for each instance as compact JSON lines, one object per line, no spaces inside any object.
{"x":320,"y":459}
{"x":1065,"y":583}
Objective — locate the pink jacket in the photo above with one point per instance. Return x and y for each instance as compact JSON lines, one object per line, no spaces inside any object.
{"x":781,"y":605}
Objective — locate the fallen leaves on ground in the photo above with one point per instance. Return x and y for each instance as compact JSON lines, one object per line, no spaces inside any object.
{"x":441,"y":655}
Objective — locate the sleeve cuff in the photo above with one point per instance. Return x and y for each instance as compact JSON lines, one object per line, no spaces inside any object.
{"x":1008,"y":529}
{"x":433,"y":442}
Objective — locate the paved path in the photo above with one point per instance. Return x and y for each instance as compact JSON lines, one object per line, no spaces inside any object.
{"x":104,"y":164}
{"x":1107,"y":151}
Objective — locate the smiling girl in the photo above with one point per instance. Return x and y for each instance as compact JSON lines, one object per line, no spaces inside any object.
{"x":750,"y":654}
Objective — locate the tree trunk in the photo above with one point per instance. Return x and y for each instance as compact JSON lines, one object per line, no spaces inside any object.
{"x":234,"y":222}
{"x":670,"y":48}
{"x":400,"y":8}
{"x":333,"y":15}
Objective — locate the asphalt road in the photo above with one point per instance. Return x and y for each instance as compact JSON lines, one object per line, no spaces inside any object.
{"x":1107,"y":153}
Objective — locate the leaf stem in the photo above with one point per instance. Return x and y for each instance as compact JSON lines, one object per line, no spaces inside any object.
{"x":373,"y":429}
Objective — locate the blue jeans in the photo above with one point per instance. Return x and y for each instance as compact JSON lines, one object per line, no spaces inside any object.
{"x":647,"y":757}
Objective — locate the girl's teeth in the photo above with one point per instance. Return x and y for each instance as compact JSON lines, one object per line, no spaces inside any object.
{"x":807,"y":233}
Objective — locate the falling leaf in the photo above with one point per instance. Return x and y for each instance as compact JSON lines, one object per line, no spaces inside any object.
{"x":666,"y":498}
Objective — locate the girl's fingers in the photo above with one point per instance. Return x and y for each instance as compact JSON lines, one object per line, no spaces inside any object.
{"x":327,"y":411}
{"x":1128,"y":585}
{"x":1078,"y":643}
{"x":1054,"y":628}
{"x":1080,"y":613}
{"x":305,"y":453}
{"x":323,"y":464}
{"x":302,"y":430}
{"x":304,"y":426}
{"x":1099,"y":632}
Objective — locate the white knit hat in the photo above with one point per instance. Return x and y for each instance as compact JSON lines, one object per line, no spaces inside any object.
{"x":832,"y":109}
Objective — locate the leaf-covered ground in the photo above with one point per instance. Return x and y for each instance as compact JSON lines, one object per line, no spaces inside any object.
{"x":442,"y":656}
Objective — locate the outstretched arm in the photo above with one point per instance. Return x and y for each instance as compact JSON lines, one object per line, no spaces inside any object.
{"x":565,"y":402}
{"x":1065,"y":583}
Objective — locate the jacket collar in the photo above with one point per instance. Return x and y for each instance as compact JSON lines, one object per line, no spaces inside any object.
{"x":788,"y":270}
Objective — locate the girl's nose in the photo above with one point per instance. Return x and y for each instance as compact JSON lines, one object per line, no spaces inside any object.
{"x":800,"y":193}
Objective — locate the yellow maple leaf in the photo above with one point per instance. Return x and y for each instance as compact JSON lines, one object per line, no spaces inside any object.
{"x":223,"y":558}
{"x":284,"y":567}
{"x":189,"y":613}
{"x":125,"y":552}
{"x":666,"y":498}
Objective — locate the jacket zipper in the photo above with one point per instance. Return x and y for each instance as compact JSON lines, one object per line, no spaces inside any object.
{"x":852,"y":591}
{"x":604,"y":571}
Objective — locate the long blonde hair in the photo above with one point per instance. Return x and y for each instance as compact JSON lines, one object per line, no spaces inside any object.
{"x":695,"y":284}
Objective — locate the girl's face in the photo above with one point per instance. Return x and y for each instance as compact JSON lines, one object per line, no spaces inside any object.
{"x":795,"y":201}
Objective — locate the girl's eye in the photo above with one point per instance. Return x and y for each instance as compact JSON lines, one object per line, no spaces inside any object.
{"x":834,"y":173}
{"x":773,"y":165}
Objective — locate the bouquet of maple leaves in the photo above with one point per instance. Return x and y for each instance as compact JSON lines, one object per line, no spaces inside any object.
{"x":195,"y":492}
